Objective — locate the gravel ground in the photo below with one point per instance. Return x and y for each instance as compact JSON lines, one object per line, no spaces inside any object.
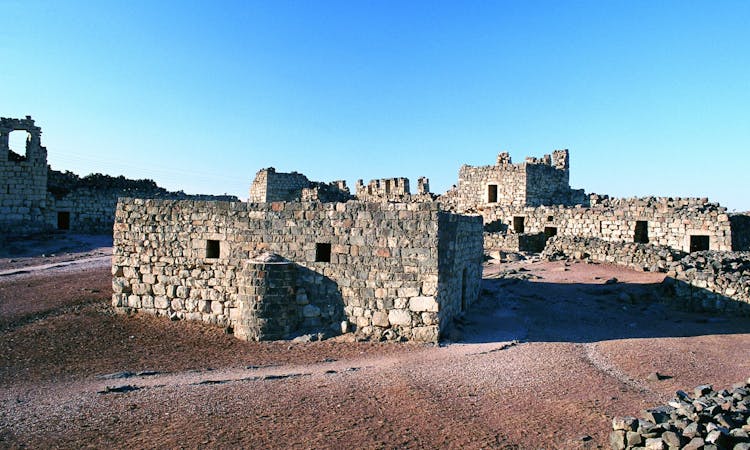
{"x":548,"y":357}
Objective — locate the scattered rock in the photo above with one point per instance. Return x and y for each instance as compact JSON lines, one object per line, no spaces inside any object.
{"x":711,"y":420}
{"x":118,"y":389}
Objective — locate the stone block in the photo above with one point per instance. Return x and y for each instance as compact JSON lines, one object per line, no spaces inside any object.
{"x":423,"y":304}
{"x":380,"y":319}
{"x":399,"y":317}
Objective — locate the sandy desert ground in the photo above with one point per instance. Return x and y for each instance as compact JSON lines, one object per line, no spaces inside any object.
{"x":545,"y":360}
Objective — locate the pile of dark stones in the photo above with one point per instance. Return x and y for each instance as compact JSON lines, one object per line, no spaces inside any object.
{"x":709,"y":420}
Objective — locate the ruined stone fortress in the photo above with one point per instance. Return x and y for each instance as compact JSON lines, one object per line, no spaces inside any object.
{"x":34,"y":198}
{"x":310,"y":258}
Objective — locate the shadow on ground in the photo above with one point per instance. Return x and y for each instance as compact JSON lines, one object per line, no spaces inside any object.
{"x":537,"y":311}
{"x":53,"y":244}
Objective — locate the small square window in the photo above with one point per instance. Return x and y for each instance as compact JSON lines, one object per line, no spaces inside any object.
{"x":322,"y":252}
{"x":213,"y":248}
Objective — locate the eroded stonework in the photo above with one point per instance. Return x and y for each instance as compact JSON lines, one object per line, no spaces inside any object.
{"x":387,"y":270}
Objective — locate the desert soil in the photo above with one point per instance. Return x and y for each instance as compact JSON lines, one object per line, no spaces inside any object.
{"x":545,"y":360}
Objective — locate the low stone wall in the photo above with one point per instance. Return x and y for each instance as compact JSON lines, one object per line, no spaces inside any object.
{"x":713,"y":281}
{"x":702,"y":281}
{"x":514,"y":242}
{"x":643,"y":257}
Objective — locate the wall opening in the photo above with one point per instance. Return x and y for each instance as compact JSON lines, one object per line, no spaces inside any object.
{"x":518,"y":224}
{"x":699,"y":243}
{"x":550,"y":231}
{"x":322,"y":252}
{"x":387,"y":186}
{"x":491,"y":193}
{"x":464,"y":295}
{"x":213,"y":248}
{"x":550,"y":218}
{"x":17,"y":145}
{"x":63,"y":220}
{"x":641,"y":232}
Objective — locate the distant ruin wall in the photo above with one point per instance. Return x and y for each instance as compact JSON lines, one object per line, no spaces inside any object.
{"x":376,"y":266}
{"x":660,"y":221}
{"x":643,"y":257}
{"x":535,"y":182}
{"x":713,"y":281}
{"x":272,"y":186}
{"x":702,"y":281}
{"x":23,"y":179}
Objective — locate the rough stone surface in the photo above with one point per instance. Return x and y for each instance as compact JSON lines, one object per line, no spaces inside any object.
{"x":405,"y":267}
{"x":720,"y":418}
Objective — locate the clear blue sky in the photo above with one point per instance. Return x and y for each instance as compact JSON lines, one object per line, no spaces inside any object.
{"x":651,"y":97}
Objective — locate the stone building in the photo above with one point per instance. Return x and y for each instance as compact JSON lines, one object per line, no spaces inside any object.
{"x":23,"y":179}
{"x":534,"y":182}
{"x":524,"y":204}
{"x":34,"y":198}
{"x":272,"y":186}
{"x":384,"y":269}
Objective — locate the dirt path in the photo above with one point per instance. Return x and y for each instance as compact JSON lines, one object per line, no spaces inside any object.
{"x":544,"y":361}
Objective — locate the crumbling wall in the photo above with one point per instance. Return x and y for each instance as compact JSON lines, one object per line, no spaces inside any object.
{"x":373,"y":265}
{"x":272,"y":186}
{"x":666,"y":221}
{"x":23,"y":180}
{"x":643,"y":257}
{"x":701,"y":281}
{"x":712,"y":281}
{"x":537,"y":181}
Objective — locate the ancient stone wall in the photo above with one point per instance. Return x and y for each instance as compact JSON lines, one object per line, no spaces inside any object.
{"x":537,"y":181}
{"x":713,"y":281}
{"x":272,"y":186}
{"x":643,"y":257}
{"x":394,"y":190}
{"x":376,"y":266}
{"x":23,"y":179}
{"x":677,"y":223}
{"x":704,"y":281}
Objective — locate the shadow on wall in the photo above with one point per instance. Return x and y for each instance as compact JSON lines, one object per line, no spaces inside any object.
{"x":320,"y":304}
{"x":514,"y":309}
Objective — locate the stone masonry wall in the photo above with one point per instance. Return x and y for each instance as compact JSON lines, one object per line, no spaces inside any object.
{"x":537,"y":181}
{"x":669,"y":222}
{"x":373,"y":265}
{"x":643,"y":257}
{"x":713,"y":281}
{"x":272,"y":186}
{"x":23,"y":179}
{"x":704,"y":281}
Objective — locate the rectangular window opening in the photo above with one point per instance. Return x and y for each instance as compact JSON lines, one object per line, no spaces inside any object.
{"x":518,"y":224}
{"x":550,"y":231}
{"x":491,"y":193}
{"x":63,"y":220}
{"x":699,"y":243}
{"x":322,"y":252}
{"x":641,"y":232}
{"x":213,"y":248}
{"x":550,"y":218}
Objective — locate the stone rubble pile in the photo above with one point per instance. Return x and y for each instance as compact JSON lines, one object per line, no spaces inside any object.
{"x":709,"y":279}
{"x":707,"y":419}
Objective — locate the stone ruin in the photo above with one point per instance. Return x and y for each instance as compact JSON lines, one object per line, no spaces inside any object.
{"x":385,"y":270}
{"x":34,"y":198}
{"x":385,"y":263}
